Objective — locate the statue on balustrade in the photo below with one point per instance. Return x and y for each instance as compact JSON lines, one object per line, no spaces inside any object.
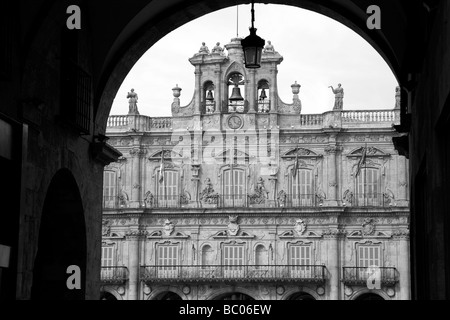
{"x":203,"y":49}
{"x":339,"y":97}
{"x":269,"y":48}
{"x":133,"y":99}
{"x":217,"y":49}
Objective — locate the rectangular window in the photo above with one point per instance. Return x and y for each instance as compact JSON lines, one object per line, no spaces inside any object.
{"x":300,"y":261}
{"x":233,"y":260}
{"x":109,"y":189}
{"x":168,"y":195}
{"x":302,"y":189}
{"x":167,"y":261}
{"x":369,"y":256}
{"x":234,"y":188}
{"x":107,"y":262}
{"x":367,"y":187}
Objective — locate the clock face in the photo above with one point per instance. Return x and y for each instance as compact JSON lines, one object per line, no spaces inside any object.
{"x":234,"y":122}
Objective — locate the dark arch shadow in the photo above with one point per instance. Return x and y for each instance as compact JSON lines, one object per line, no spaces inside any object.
{"x":62,"y":241}
{"x":369,"y":296}
{"x":168,"y":295}
{"x":107,"y":296}
{"x":301,"y":296}
{"x":233,"y":296}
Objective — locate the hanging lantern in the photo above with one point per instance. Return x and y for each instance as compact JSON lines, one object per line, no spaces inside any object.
{"x":253,"y":46}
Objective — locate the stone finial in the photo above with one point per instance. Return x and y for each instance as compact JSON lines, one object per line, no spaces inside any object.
{"x":295,"y":88}
{"x":176,"y":91}
{"x":176,"y":100}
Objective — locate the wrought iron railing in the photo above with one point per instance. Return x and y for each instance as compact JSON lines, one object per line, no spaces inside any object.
{"x":298,"y":200}
{"x":241,"y":273}
{"x":114,"y":274}
{"x":361,"y":275}
{"x":168,"y":201}
{"x":370,"y":200}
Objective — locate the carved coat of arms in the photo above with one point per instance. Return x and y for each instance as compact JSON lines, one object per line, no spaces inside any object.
{"x":233,"y":226}
{"x":300,"y":227}
{"x":168,"y":227}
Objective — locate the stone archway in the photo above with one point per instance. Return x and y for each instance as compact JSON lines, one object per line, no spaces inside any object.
{"x":301,"y":296}
{"x":62,"y":241}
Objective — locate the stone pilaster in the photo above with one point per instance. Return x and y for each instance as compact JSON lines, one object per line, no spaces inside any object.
{"x":198,"y":90}
{"x":402,"y":164}
{"x":332,"y":185}
{"x":402,"y":236}
{"x":134,"y":238}
{"x":252,"y":91}
{"x":136,"y":183}
{"x":333,"y":236}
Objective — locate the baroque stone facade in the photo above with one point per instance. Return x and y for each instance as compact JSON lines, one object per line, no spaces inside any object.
{"x":248,"y":198}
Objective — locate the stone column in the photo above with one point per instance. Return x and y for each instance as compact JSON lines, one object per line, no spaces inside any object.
{"x":332,"y":196}
{"x":133,"y":238}
{"x":332,"y":237}
{"x":402,"y":236}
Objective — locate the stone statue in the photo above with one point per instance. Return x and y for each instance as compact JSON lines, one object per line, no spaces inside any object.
{"x":133,"y":99}
{"x":269,"y":48}
{"x":339,"y":97}
{"x":208,"y":195}
{"x":217,"y":49}
{"x":398,"y":96}
{"x":203,"y":49}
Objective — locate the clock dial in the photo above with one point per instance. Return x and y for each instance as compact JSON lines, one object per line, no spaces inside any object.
{"x":234,"y":122}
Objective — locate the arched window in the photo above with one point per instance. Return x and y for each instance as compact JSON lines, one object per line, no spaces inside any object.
{"x":168,"y":189}
{"x":207,"y":256}
{"x":261,"y":256}
{"x":109,"y":189}
{"x":234,"y":188}
{"x":263,"y":96}
{"x":209,"y":98}
{"x":367,"y":188}
{"x":302,"y":189}
{"x":236,"y":93}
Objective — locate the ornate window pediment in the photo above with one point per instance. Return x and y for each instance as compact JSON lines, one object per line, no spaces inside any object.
{"x":371,"y":152}
{"x":301,"y":152}
{"x":169,"y":155}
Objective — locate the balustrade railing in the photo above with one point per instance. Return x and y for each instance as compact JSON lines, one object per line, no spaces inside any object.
{"x":117,"y":121}
{"x":360,"y":275}
{"x":311,"y":120}
{"x":363,"y":116}
{"x":114,"y":274}
{"x":243,"y":273}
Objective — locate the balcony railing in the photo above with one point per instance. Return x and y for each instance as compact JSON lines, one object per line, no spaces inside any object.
{"x":241,"y":273}
{"x":370,"y":200}
{"x":360,"y":275}
{"x":298,"y":200}
{"x":114,"y":274}
{"x":168,"y":201}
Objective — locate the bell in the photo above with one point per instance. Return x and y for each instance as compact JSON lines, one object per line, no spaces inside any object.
{"x":263,"y":95}
{"x":210,"y":95}
{"x":236,"y":95}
